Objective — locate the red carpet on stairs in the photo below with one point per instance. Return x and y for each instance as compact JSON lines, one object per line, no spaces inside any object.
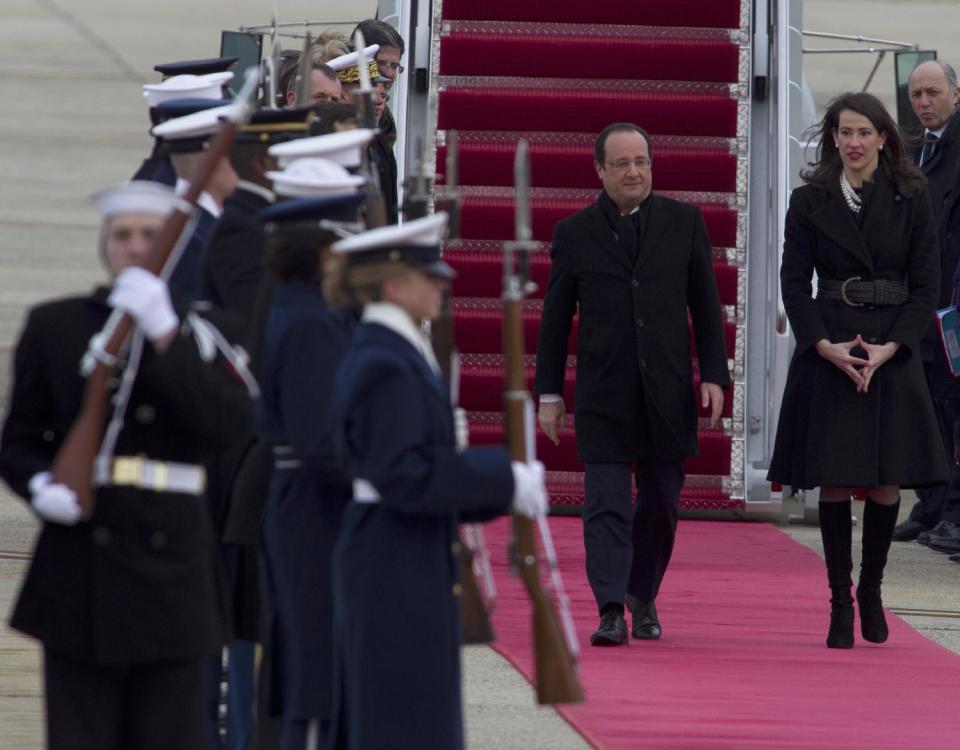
{"x":556,"y":74}
{"x":742,"y":663}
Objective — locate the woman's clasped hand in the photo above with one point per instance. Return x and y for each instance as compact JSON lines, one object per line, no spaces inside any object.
{"x":858,"y":369}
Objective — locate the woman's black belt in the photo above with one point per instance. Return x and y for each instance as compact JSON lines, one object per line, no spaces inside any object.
{"x":856,"y":292}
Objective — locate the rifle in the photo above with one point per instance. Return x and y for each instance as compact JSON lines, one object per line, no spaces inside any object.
{"x":271,"y":68}
{"x":375,"y":208}
{"x":475,"y":621}
{"x":451,"y":181}
{"x":555,"y":648}
{"x":305,"y":73}
{"x":73,"y":464}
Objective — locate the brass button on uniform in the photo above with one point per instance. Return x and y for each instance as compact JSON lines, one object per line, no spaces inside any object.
{"x":456,"y":548}
{"x":640,"y":323}
{"x":457,"y":589}
{"x":634,"y":283}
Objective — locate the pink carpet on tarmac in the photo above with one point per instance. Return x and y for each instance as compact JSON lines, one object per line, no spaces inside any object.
{"x":742,"y":661}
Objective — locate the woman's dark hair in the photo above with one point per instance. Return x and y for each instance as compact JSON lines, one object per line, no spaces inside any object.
{"x":894,"y":159}
{"x":379,"y":32}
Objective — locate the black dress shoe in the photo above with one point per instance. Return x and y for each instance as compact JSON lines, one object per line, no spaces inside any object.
{"x":908,"y":531}
{"x":646,"y":624}
{"x":612,"y":630}
{"x":955,"y":558}
{"x":924,"y":536}
{"x":946,"y":538}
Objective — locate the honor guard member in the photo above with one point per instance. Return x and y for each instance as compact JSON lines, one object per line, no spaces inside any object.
{"x":187,"y":125}
{"x":304,"y":340}
{"x":128,"y":604}
{"x":232,"y":274}
{"x":233,"y":265}
{"x":348,"y":71}
{"x":195,"y":79}
{"x":400,"y":683}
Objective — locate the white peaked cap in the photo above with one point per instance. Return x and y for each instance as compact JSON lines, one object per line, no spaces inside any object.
{"x":353,"y":58}
{"x":427,"y":231}
{"x":307,"y":178}
{"x":344,"y":148}
{"x":209,"y":86}
{"x":204,"y":122}
{"x":134,"y":197}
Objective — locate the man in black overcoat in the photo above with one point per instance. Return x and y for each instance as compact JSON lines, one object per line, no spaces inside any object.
{"x":934,"y":96}
{"x":634,"y":264}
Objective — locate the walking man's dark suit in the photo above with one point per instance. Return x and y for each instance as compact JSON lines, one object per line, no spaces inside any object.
{"x":935,"y":519}
{"x":633,"y":264}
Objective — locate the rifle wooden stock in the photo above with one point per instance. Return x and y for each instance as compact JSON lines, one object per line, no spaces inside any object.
{"x":475,"y":620}
{"x":556,"y":678}
{"x":73,"y":464}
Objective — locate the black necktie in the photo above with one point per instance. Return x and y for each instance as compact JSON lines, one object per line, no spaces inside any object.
{"x":930,"y":142}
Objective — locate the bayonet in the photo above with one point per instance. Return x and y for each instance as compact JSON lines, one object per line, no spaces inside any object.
{"x":305,"y":73}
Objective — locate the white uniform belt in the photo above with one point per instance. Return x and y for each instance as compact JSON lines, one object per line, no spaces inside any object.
{"x":364,"y":492}
{"x":147,"y":474}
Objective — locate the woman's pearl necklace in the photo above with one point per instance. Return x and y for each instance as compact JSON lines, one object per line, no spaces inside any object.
{"x":854,"y":201}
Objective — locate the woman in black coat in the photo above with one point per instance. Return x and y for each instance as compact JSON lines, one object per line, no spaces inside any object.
{"x":856,"y":411}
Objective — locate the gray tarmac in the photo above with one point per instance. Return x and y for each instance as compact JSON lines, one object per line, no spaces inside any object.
{"x":74,"y":120}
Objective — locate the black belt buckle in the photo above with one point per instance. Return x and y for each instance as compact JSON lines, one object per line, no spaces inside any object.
{"x":843,"y":291}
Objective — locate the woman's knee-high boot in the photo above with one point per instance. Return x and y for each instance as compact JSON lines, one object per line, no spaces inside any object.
{"x":878,"y":523}
{"x":835,"y":530}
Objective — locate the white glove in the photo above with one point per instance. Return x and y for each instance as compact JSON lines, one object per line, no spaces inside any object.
{"x":54,"y":502}
{"x":529,"y":489}
{"x":147,"y":299}
{"x":461,"y":428}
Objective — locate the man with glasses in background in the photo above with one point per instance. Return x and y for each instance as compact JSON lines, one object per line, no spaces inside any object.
{"x":633,"y":264}
{"x":391,"y":50}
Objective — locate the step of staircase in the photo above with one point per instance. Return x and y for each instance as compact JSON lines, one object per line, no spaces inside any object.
{"x":479,"y":265}
{"x":585,"y":106}
{"x":481,"y":383}
{"x":488,"y":212}
{"x":556,"y":74}
{"x":478,"y":324}
{"x":700,"y":492}
{"x":555,"y":50}
{"x":487,"y":429}
{"x":565,"y":160}
{"x":701,"y":13}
